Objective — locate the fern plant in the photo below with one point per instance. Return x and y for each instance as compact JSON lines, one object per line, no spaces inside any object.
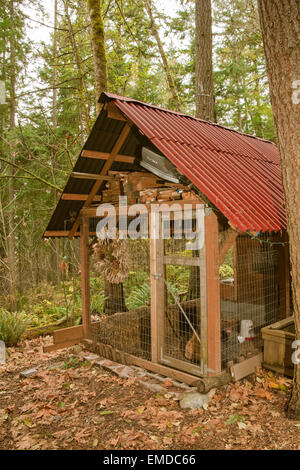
{"x":12,"y":326}
{"x":139,"y":296}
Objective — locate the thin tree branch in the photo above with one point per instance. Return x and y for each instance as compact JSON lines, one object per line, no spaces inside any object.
{"x":38,"y":178}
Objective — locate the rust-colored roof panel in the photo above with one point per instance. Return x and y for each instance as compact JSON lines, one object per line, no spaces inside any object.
{"x":240,"y":174}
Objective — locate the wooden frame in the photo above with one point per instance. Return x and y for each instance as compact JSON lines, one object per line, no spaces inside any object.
{"x":78,"y":197}
{"x":65,"y":337}
{"x":227,"y":242}
{"x":63,"y":233}
{"x":85,"y":275}
{"x":158,"y":262}
{"x":213,"y":294}
{"x":113,"y":111}
{"x":157,"y":275}
{"x":105,"y":156}
{"x":58,"y":233}
{"x":120,"y":141}
{"x":90,"y":176}
{"x":111,"y":353}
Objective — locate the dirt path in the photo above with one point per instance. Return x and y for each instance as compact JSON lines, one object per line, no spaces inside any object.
{"x":72,"y":404}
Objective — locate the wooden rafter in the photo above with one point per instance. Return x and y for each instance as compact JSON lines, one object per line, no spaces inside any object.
{"x":120,"y":141}
{"x":224,"y":246}
{"x":105,"y":156}
{"x":113,"y":112}
{"x":58,"y":233}
{"x":63,"y":233}
{"x":91,"y":176}
{"x":78,"y":197}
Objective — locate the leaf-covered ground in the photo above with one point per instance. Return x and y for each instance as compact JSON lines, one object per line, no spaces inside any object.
{"x":72,"y":404}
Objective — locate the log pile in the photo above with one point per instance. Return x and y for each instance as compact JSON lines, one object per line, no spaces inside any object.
{"x":144,"y":188}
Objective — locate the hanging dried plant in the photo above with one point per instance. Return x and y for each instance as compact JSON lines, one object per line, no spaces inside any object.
{"x":111,"y":258}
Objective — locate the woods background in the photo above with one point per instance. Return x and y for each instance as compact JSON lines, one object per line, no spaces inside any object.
{"x":141,"y":49}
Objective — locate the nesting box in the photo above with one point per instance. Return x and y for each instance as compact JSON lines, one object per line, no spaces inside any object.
{"x":278,"y":339}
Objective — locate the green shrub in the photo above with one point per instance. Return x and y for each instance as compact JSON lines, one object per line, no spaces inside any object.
{"x":12,"y":326}
{"x":139,"y":296}
{"x":97,"y":303}
{"x":226,"y":271}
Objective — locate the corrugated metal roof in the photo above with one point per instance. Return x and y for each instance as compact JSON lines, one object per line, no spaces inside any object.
{"x":238,"y":173}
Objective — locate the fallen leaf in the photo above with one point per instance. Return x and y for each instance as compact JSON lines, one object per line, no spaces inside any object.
{"x":242,"y":425}
{"x":168,"y":383}
{"x":28,"y":423}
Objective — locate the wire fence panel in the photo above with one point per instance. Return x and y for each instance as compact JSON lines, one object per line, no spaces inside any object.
{"x":250,"y":295}
{"x":124,"y":322}
{"x":253,"y":293}
{"x":181,"y":342}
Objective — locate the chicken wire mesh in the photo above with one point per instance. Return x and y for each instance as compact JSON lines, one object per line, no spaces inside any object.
{"x":251,"y":295}
{"x":123,"y":321}
{"x":181,"y":336}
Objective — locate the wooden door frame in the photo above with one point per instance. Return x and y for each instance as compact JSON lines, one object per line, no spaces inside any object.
{"x":210,"y":306}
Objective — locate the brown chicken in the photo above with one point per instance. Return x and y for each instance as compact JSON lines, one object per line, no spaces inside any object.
{"x":193,"y":349}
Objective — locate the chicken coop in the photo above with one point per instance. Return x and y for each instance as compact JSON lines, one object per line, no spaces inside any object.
{"x":183,"y":223}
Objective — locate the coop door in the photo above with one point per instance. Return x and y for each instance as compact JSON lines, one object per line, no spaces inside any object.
{"x":178,"y":286}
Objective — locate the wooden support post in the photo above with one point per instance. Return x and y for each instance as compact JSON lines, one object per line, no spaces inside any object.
{"x":213,"y":295}
{"x":158,"y":295}
{"x":227,"y":242}
{"x":85,"y":275}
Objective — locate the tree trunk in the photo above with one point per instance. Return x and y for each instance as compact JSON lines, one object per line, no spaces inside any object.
{"x":280,"y":24}
{"x":204,"y":95}
{"x":114,"y":293}
{"x":11,"y":191}
{"x":55,"y":253}
{"x":81,"y":88}
{"x":98,"y":46}
{"x":114,"y":298}
{"x":204,"y":86}
{"x":163,"y":56}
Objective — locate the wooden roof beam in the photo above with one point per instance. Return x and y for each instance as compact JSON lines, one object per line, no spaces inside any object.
{"x":106,"y":155}
{"x":113,"y":112}
{"x":63,"y":233}
{"x":227,"y":242}
{"x":116,"y":148}
{"x":78,"y":197}
{"x":90,"y":176}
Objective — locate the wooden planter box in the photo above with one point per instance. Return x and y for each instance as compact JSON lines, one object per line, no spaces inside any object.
{"x":278,"y":339}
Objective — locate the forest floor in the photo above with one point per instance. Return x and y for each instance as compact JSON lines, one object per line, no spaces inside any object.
{"x":73,"y":404}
